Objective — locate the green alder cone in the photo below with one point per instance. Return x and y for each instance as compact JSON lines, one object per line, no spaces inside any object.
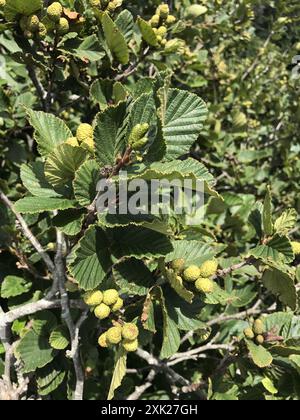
{"x":130,"y":345}
{"x":118,"y":305}
{"x":54,"y":11}
{"x":102,"y":340}
{"x":191,"y":274}
{"x":296,"y":247}
{"x":204,"y":285}
{"x":209,"y":268}
{"x":170,"y":20}
{"x":102,"y":311}
{"x":258,"y":327}
{"x":163,"y":11}
{"x":110,"y":297}
{"x":114,"y":335}
{"x":112,"y":6}
{"x":2,"y":4}
{"x":162,"y":31}
{"x":42,"y":30}
{"x":33,"y":23}
{"x":137,"y":139}
{"x":93,"y":298}
{"x":85,"y":137}
{"x":178,"y":265}
{"x":248,"y":333}
{"x":63,"y":26}
{"x":154,"y":21}
{"x":130,"y":331}
{"x":260,"y":339}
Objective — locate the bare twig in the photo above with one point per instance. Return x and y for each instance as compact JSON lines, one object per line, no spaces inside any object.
{"x":180,"y":357}
{"x":27,"y":232}
{"x":139,"y":390}
{"x":171,"y":375}
{"x":256,"y":61}
{"x":132,"y":68}
{"x":67,"y":316}
{"x":229,"y":270}
{"x":34,"y":307}
{"x":37,"y":84}
{"x":224,"y":318}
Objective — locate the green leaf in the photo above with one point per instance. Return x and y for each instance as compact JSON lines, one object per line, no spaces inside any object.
{"x":109,"y":134}
{"x":34,"y":351}
{"x":21,"y":7}
{"x":269,"y":386}
{"x":219,"y":297}
{"x":133,"y":277}
{"x":280,"y":323}
{"x":139,"y":242}
{"x":32,"y":205}
{"x":286,"y":222}
{"x":115,"y":40}
{"x":255,"y":219}
{"x":33,"y":178}
{"x":278,"y":249}
{"x":176,"y":170}
{"x":147,"y":32}
{"x":267,"y":214}
{"x":142,"y":111}
{"x":171,"y":336}
{"x":59,"y":338}
{"x":119,"y":93}
{"x":177,"y":285}
{"x":69,"y":221}
{"x":146,"y":220}
{"x":185,"y":315}
{"x":183,"y":115}
{"x":85,"y":182}
{"x":119,"y":372}
{"x":43,"y":323}
{"x":125,"y":24}
{"x":101,"y":91}
{"x":62,"y":164}
{"x":90,"y":260}
{"x":88,"y":49}
{"x":193,"y":252}
{"x":14,"y":286}
{"x":245,"y":294}
{"x":148,"y":315}
{"x":281,"y":285}
{"x":50,"y":131}
{"x":49,"y":378}
{"x":260,"y":356}
{"x":296,"y":360}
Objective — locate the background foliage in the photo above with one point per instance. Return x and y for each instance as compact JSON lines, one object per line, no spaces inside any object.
{"x":237,"y":57}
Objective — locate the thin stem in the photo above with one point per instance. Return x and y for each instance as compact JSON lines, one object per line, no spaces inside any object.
{"x":67,"y":316}
{"x":27,"y":232}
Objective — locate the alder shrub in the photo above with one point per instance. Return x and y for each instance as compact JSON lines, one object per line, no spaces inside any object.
{"x":97,"y":305}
